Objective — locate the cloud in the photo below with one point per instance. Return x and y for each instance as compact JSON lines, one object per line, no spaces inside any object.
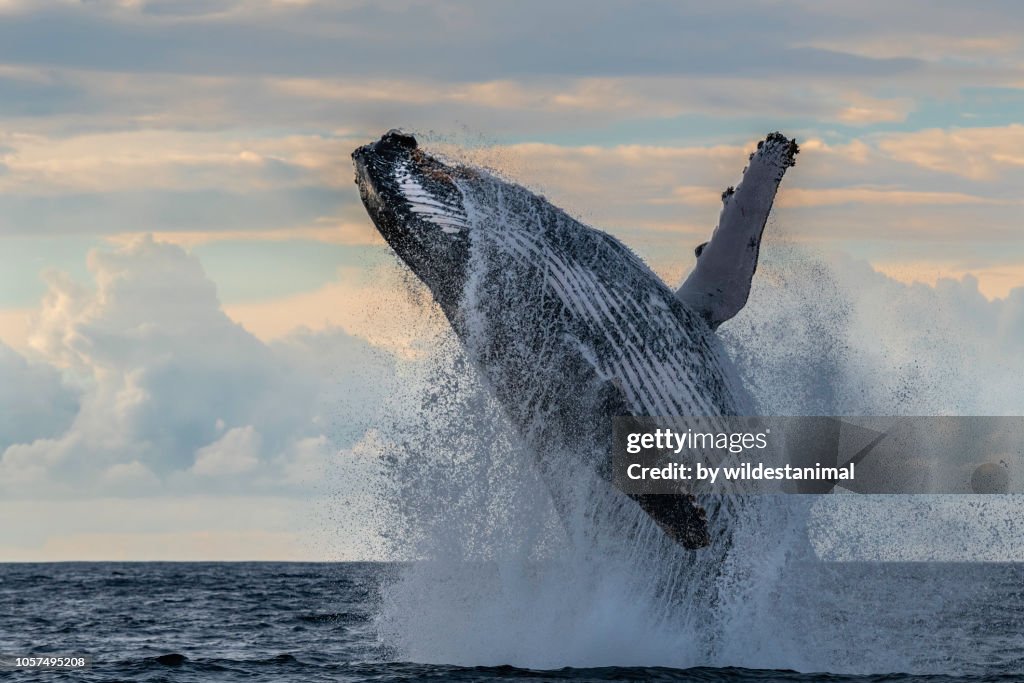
{"x":35,"y":402}
{"x":236,"y":545}
{"x":169,"y":389}
{"x":663,"y":200}
{"x":995,"y":281}
{"x":173,"y":528}
{"x":826,"y":334}
{"x":307,"y":460}
{"x":651,"y":184}
{"x":266,"y":65}
{"x":984,"y":154}
{"x":877,"y":196}
{"x":132,"y":478}
{"x":563,"y":102}
{"x":364,"y":37}
{"x":324,"y":230}
{"x":386,"y":306}
{"x":171,"y":160}
{"x":234,"y":453}
{"x":14,"y":326}
{"x":109,"y":183}
{"x":90,"y":214}
{"x":835,"y":196}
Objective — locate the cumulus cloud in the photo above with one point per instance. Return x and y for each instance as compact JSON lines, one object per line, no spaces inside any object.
{"x":827,"y":334}
{"x":132,"y":478}
{"x":307,"y":460}
{"x":234,"y":453}
{"x":172,"y":392}
{"x":35,"y":402}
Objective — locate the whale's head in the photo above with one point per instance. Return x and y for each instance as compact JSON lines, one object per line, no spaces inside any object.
{"x":415,"y":203}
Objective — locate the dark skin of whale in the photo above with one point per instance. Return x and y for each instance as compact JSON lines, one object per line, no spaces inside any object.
{"x":566,"y":325}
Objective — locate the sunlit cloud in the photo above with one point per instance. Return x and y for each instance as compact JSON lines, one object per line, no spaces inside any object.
{"x":170,"y":160}
{"x":386,"y":306}
{"x":975,"y":153}
{"x":139,"y":378}
{"x":326,"y":230}
{"x":995,"y":281}
{"x":14,"y":327}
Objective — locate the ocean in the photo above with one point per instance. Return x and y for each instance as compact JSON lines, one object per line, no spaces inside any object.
{"x":308,"y":622}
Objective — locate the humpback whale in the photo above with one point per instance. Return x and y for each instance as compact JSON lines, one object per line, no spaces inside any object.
{"x":567,"y":326}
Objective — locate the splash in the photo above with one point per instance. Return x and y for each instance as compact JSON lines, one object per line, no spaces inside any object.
{"x":533,"y":559}
{"x":502,"y":577}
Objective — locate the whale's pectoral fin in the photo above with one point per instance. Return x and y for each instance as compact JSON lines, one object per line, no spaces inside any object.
{"x":719,"y":284}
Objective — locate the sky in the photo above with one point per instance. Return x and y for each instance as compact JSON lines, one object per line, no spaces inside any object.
{"x":197,"y":318}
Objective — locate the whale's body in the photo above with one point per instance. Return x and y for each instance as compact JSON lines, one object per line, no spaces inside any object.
{"x":568,"y":327}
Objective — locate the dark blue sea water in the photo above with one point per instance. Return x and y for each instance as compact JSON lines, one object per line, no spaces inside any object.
{"x":315,"y":622}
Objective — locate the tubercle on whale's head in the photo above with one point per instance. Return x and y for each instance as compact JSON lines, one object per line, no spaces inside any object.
{"x":417,"y":207}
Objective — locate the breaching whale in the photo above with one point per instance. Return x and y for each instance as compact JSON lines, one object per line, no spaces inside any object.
{"x":566,"y":325}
